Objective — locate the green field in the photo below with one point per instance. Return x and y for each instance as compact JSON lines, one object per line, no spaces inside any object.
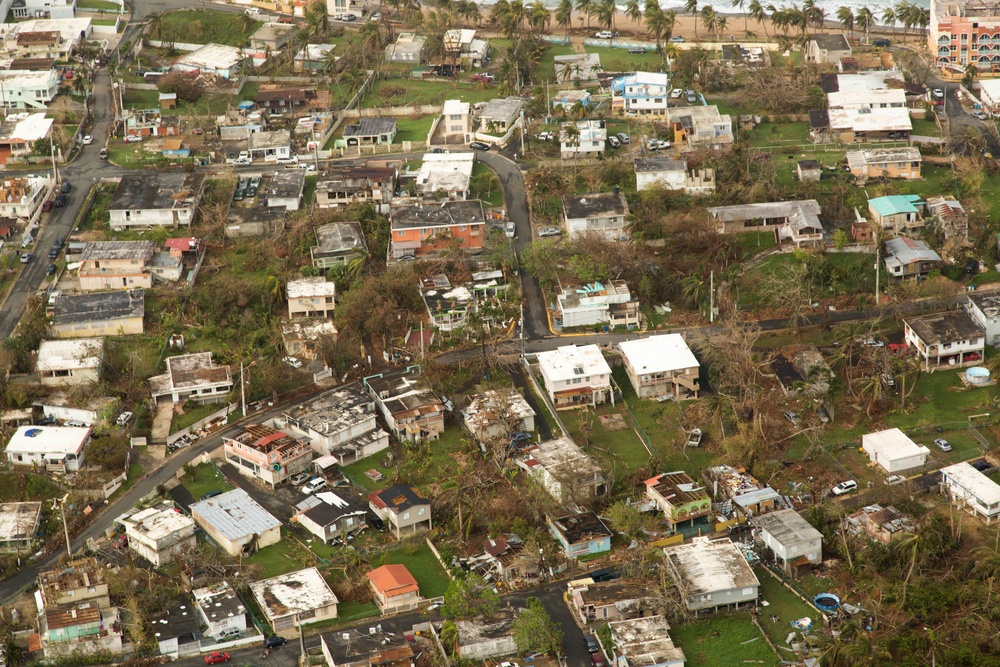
{"x":204,"y":479}
{"x":413,"y":129}
{"x":406,"y":91}
{"x":492,"y":194}
{"x":98,"y":5}
{"x":723,"y":640}
{"x":191,"y":415}
{"x":620,"y":60}
{"x":281,"y":558}
{"x":202,"y":26}
{"x":422,"y":564}
{"x":782,"y":603}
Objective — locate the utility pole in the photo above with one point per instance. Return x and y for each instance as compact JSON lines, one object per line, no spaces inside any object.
{"x":302,"y":641}
{"x":522,"y":330}
{"x":62,"y":510}
{"x":243,"y":391}
{"x":711,"y":297}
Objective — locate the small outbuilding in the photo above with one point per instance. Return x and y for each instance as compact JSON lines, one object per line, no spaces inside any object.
{"x":894,"y":451}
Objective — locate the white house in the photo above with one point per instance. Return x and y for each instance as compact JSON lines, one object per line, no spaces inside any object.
{"x":237,"y":522}
{"x":609,"y":302}
{"x":56,"y":448}
{"x":270,"y":146}
{"x":70,"y":362}
{"x":644,"y":642}
{"x":152,"y":199}
{"x":582,"y":138}
{"x":989,"y":94}
{"x":219,"y":59}
{"x":894,"y":451}
{"x":979,"y":493}
{"x":295,"y":598}
{"x":641,"y":94}
{"x":23,"y":197}
{"x":671,"y":174}
{"x":220,"y":609}
{"x":661,"y":366}
{"x":159,"y":534}
{"x":795,"y":542}
{"x":945,"y":339}
{"x":712,"y":573}
{"x":576,"y":376}
{"x":310,"y":297}
{"x":192,"y":377}
{"x":984,"y":309}
{"x":564,"y":470}
{"x":339,"y":423}
{"x":456,"y":121}
{"x":286,"y":188}
{"x":602,"y":214}
{"x":498,"y":412}
{"x":24,"y":89}
{"x":449,"y":173}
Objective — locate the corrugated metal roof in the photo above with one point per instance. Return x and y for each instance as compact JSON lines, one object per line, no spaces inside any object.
{"x":234,"y":515}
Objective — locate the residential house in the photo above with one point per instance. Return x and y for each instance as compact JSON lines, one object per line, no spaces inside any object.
{"x":497,"y":413}
{"x":461,"y":46}
{"x":263,"y":452}
{"x":740,"y":491}
{"x":25,"y":89}
{"x":565,"y":100}
{"x":508,"y":559}
{"x":340,"y":423}
{"x":411,"y":409}
{"x":295,"y":599}
{"x":809,"y":171}
{"x":42,"y":44}
{"x":285,"y":189}
{"x":219,"y":609}
{"x":236,"y":522}
{"x":80,"y":580}
{"x":174,"y":148}
{"x":671,"y":174}
{"x":796,"y":544}
{"x":151,"y":122}
{"x":446,"y":174}
{"x":18,"y":133}
{"x":53,"y":10}
{"x":661,"y":366}
{"x":403,"y":508}
{"x":979,"y":493}
{"x":909,"y":258}
{"x":417,"y":231}
{"x":303,"y":338}
{"x":239,"y":124}
{"x":388,"y":648}
{"x":159,"y":534}
{"x":679,"y":498}
{"x":989,"y":90}
{"x":894,"y":451}
{"x":70,"y":362}
{"x":106,"y":265}
{"x":901,"y":214}
{"x":608,"y":303}
{"x":602,"y":214}
{"x":500,"y":115}
{"x":99,"y":314}
{"x":54,"y":448}
{"x":984,"y":309}
{"x":395,"y":589}
{"x":700,"y":127}
{"x":880,"y":98}
{"x":580,"y":68}
{"x":192,"y":377}
{"x":447,"y":306}
{"x":456,"y":122}
{"x":177,"y":631}
{"x":314,"y":58}
{"x":310,"y":297}
{"x":607,"y":601}
{"x":343,"y":186}
{"x":338,"y":243}
{"x":482,"y":639}
{"x":641,"y":94}
{"x":582,"y":138}
{"x":827,"y":49}
{"x":408,"y":48}
{"x":884,"y":524}
{"x":19,"y":523}
{"x":860,"y":125}
{"x":582,"y":534}
{"x":795,"y":222}
{"x":575,"y":376}
{"x":712,"y":573}
{"x":885,"y":163}
{"x":644,"y":642}
{"x":332,"y":516}
{"x":961,"y":33}
{"x":945,"y":339}
{"x":220,"y":60}
{"x":371,"y":132}
{"x":168,"y":100}
{"x":270,"y":146}
{"x":271,"y":37}
{"x":23,"y":197}
{"x":564,"y":470}
{"x":147,"y":199}
{"x":951,"y":217}
{"x":79,"y":629}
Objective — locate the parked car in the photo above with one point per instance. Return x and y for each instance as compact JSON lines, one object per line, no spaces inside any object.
{"x":591,"y":643}
{"x":287,"y":160}
{"x":293,"y":362}
{"x":603,"y":574}
{"x":60,"y":201}
{"x":53,"y":253}
{"x":66,"y":187}
{"x":47,"y":206}
{"x":255,"y":182}
{"x":942,"y":444}
{"x":938,"y":94}
{"x":614,"y":142}
{"x":350,"y":17}
{"x":844,"y":487}
{"x":229,"y":633}
{"x":25,"y":257}
{"x":215,"y":657}
{"x":652,"y":144}
{"x":87,"y":140}
{"x":299,"y":478}
{"x":661,"y":144}
{"x":550,"y":231}
{"x":881,"y":43}
{"x":545,"y":136}
{"x":980,"y":115}
{"x":676,"y":40}
{"x":792,"y":417}
{"x":605,"y":34}
{"x":520,"y":436}
{"x":479,"y":146}
{"x":103,"y":154}
{"x":482,"y":78}
{"x":982,"y":465}
{"x":50,"y":269}
{"x":124,"y":418}
{"x":893,"y":480}
{"x":624,"y":138}
{"x":694,"y":438}
{"x":274,"y":641}
{"x":676,"y":93}
{"x":824,"y":416}
{"x":691,"y":96}
{"x":211,"y":494}
{"x":972,"y":267}
{"x":376,"y":523}
{"x":375,"y":17}
{"x":598,"y":660}
{"x":315,"y":484}
{"x":133,"y":139}
{"x":637,"y":49}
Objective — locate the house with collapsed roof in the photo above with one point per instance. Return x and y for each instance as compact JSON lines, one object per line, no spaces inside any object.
{"x":604,"y":601}
{"x":739,"y":491}
{"x":339,"y":423}
{"x":581,"y":534}
{"x":192,"y":377}
{"x":564,"y":470}
{"x":265,"y":453}
{"x":883,"y":524}
{"x":794,"y":222}
{"x":497,"y":413}
{"x":411,"y":409}
{"x":679,"y":498}
{"x":644,"y":642}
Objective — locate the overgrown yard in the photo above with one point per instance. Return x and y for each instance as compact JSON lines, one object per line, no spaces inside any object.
{"x":620,"y":60}
{"x":782,"y":603}
{"x":205,"y":478}
{"x":201,"y":26}
{"x":192,"y":414}
{"x":281,"y":558}
{"x":439,"y":461}
{"x":406,"y":91}
{"x":422,"y":564}
{"x":723,"y":640}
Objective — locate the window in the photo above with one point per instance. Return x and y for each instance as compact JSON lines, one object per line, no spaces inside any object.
{"x":421,"y":511}
{"x":406,"y":516}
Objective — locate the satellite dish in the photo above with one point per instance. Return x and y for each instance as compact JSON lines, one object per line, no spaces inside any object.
{"x":276,"y":467}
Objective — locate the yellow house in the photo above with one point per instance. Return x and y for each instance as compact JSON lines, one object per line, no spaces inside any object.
{"x":98,"y":314}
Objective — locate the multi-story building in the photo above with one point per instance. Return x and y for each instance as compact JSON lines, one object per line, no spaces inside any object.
{"x":900,"y":214}
{"x":344,"y":186}
{"x":220,"y":609}
{"x":192,"y":377}
{"x":602,"y":214}
{"x":608,"y":303}
{"x":576,"y":376}
{"x":674,"y":175}
{"x":564,"y":470}
{"x":700,"y":127}
{"x":150,"y":199}
{"x":641,"y":94}
{"x":98,"y":314}
{"x":411,"y":409}
{"x":984,"y":309}
{"x":945,"y":339}
{"x":106,"y":265}
{"x":679,"y":498}
{"x":265,"y":453}
{"x":796,"y":544}
{"x":447,"y":307}
{"x":456,"y":121}
{"x":964,"y":32}
{"x":828,"y":49}
{"x":159,"y":534}
{"x":661,"y":366}
{"x":338,"y":243}
{"x":339,"y":423}
{"x":403,"y":508}
{"x":423,"y":229}
{"x":310,"y":297}
{"x":23,"y":197}
{"x":979,"y":493}
{"x":583,"y":138}
{"x":496,"y":413}
{"x":22,"y":89}
{"x":885,"y":163}
{"x":445,"y":173}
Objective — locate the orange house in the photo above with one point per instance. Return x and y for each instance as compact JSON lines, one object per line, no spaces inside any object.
{"x":423,"y":229}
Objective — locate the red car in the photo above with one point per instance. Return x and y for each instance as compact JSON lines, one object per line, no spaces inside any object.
{"x":215,"y":657}
{"x":47,"y":206}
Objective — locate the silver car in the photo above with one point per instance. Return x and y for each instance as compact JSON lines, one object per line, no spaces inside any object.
{"x":550,"y":231}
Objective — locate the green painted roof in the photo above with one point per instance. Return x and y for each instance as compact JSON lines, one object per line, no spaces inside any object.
{"x":893,"y":204}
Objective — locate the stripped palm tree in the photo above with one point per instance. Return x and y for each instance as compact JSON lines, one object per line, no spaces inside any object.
{"x":564,"y":15}
{"x":587,"y":8}
{"x":633,"y":11}
{"x":758,"y":14}
{"x":692,"y":6}
{"x":846,"y":17}
{"x":889,"y":18}
{"x":865,"y":19}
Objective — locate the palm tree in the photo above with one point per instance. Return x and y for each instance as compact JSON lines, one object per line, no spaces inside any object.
{"x":659,"y":23}
{"x":846,"y":17}
{"x":317,"y":19}
{"x":904,"y":15}
{"x":746,"y":19}
{"x":710,"y":20}
{"x":538,"y":16}
{"x":865,"y":19}
{"x":564,"y":14}
{"x":692,"y":6}
{"x":605,"y":13}
{"x":570,"y":134}
{"x":587,"y":7}
{"x":632,"y":10}
{"x":758,"y":14}
{"x":889,"y":18}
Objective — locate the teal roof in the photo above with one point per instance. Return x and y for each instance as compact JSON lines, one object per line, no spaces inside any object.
{"x":893,"y":204}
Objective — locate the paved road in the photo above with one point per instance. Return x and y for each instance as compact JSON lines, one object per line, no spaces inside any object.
{"x":960,"y":123}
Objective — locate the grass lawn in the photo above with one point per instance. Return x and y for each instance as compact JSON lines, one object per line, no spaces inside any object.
{"x":310,"y":191}
{"x":491,"y":194}
{"x":755,"y":242}
{"x":782,"y":603}
{"x":774,"y":134}
{"x":204,"y":479}
{"x":436,"y":463}
{"x":202,"y":26}
{"x":414,"y":128}
{"x":620,"y":60}
{"x":190,"y":416}
{"x":98,"y":5}
{"x":352,"y":611}
{"x":406,"y":91}
{"x":924,"y":127}
{"x":422,"y":564}
{"x":610,"y":448}
{"x":723,"y":640}
{"x":281,"y":558}
{"x":104,"y":21}
{"x":842,"y":274}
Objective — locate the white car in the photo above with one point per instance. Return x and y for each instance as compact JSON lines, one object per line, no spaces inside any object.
{"x":375,"y":17}
{"x":615,"y":142}
{"x":293,"y":362}
{"x":132,"y":139}
{"x":288,"y":160}
{"x":676,"y":93}
{"x":87,"y":140}
{"x":550,"y":231}
{"x":124,"y":418}
{"x":845,"y":487}
{"x":299,"y":478}
{"x":892,"y":480}
{"x":307,"y":167}
{"x":545,"y":136}
{"x":604,"y":34}
{"x":315,"y":484}
{"x":980,"y":115}
{"x":938,"y":94}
